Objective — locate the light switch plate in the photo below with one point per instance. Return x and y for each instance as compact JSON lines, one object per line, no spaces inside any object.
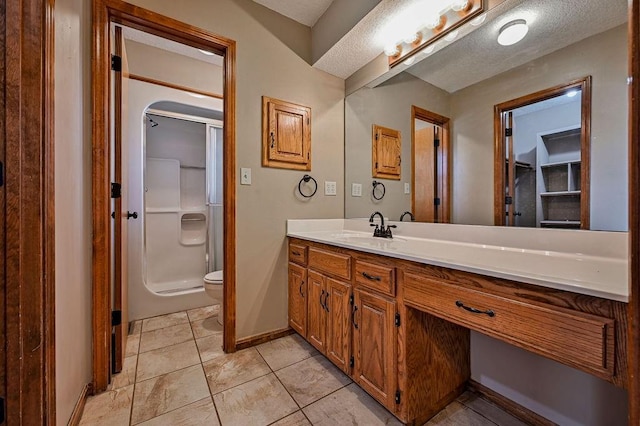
{"x":330,"y":188}
{"x":407,"y":188}
{"x":356,"y":190}
{"x":245,"y":176}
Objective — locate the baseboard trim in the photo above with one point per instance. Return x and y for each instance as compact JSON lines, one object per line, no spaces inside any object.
{"x":76,"y":414}
{"x":511,"y":407}
{"x":247,"y":342}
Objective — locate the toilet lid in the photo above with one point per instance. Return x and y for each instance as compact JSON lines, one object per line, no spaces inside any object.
{"x":215,"y":276}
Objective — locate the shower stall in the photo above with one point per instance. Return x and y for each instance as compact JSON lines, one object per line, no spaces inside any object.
{"x":178,"y":238}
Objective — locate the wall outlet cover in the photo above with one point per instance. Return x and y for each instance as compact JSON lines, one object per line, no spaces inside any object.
{"x":356,"y":190}
{"x":330,"y":188}
{"x":407,"y":188}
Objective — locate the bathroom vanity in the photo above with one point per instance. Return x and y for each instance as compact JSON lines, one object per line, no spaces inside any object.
{"x":395,"y":314}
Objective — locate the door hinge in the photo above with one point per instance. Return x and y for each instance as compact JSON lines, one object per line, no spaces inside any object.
{"x":376,"y":136}
{"x":116,"y":190}
{"x":116,"y":63}
{"x":508,"y":200}
{"x":308,"y":121}
{"x":508,"y":131}
{"x":398,"y":396}
{"x":116,"y":318}
{"x":351,"y":361}
{"x":436,"y":201}
{"x":436,"y":142}
{"x":397,"y":322}
{"x":376,"y":164}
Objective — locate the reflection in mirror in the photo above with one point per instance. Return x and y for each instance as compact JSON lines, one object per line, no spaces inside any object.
{"x":466,"y":78}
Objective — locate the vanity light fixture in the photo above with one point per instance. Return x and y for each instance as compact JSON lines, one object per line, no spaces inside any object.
{"x":206,"y":52}
{"x":512,"y":32}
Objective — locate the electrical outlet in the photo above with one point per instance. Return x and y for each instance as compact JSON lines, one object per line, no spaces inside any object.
{"x":407,"y":188}
{"x":356,"y":190}
{"x":245,"y":176}
{"x":330,"y":188}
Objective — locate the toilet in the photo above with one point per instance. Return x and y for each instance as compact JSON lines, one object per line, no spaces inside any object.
{"x":213,"y":282}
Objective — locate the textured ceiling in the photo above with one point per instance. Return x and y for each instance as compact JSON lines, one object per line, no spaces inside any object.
{"x":170,"y":45}
{"x":553,"y":24}
{"x":306,"y":12}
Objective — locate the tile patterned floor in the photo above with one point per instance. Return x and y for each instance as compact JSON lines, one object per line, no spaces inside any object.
{"x":175,"y":373}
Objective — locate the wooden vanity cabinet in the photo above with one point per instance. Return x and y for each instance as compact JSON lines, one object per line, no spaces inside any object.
{"x":375,"y":342}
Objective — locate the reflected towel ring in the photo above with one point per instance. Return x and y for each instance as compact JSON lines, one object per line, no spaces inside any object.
{"x":373,"y":192}
{"x":307,"y":178}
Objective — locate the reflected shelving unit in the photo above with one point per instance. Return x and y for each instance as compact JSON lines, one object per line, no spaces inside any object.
{"x":558,"y":176}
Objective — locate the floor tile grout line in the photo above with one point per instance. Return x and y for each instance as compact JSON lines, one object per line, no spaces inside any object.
{"x":482,"y":414}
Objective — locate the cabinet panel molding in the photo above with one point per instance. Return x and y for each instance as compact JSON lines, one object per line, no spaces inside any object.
{"x":286,"y":135}
{"x":298,"y":298}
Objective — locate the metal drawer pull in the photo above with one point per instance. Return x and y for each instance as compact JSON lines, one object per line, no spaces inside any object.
{"x":300,"y":289}
{"x":353,"y":316}
{"x":321,"y":296}
{"x":371,"y":277}
{"x":326,"y":302}
{"x":489,"y":312}
{"x":295,"y":253}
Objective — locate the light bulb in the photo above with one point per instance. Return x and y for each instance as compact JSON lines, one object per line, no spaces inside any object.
{"x":479,"y":20}
{"x":411,"y":37}
{"x":392,"y":50}
{"x":451,"y":36}
{"x":458,"y":5}
{"x":433,"y":21}
{"x":513,"y":32}
{"x":429,"y":49}
{"x":410,"y":61}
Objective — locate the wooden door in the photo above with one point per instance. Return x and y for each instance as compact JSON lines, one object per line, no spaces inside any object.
{"x":424,"y":181}
{"x":297,"y":298}
{"x":374,"y":346}
{"x":120,"y":205}
{"x":386,"y":153}
{"x":316,"y":315}
{"x":338,"y":326}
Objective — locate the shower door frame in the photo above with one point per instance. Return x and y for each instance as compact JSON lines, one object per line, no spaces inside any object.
{"x":104,"y":13}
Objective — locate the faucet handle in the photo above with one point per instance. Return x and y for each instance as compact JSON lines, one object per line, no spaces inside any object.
{"x":387,"y":232}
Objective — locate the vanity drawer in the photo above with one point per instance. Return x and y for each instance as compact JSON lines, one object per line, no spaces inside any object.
{"x":377,"y":277}
{"x":337,"y":264}
{"x":574,"y":338}
{"x":298,"y":253}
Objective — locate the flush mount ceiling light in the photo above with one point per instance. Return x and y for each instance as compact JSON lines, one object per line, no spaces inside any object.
{"x":512,"y":32}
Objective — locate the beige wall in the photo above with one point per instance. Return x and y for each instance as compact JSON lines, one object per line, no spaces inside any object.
{"x":266,"y":65}
{"x":148,"y":61}
{"x":604,"y":57}
{"x":73,"y":203}
{"x":388,"y":105}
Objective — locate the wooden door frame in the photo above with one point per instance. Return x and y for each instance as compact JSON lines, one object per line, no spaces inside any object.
{"x":105,"y":12}
{"x":499,"y":180}
{"x":27,"y":202}
{"x":444,"y":176}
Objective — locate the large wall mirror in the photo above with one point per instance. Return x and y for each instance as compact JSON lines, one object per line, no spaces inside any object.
{"x":464,"y":79}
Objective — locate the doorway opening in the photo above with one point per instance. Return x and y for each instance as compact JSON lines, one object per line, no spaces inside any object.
{"x":542,"y":144}
{"x":106,"y":130}
{"x":430,"y":169}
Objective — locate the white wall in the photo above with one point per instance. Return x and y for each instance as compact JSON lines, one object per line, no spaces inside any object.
{"x":267,"y":65}
{"x":73,"y":203}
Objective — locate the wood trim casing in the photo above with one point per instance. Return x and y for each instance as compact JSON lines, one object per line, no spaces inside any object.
{"x":584,"y":84}
{"x":247,"y":342}
{"x":173,"y":86}
{"x":444,"y":174}
{"x":634,"y":214}
{"x":105,"y":12}
{"x":27,"y":201}
{"x":76,"y":414}
{"x":518,"y":411}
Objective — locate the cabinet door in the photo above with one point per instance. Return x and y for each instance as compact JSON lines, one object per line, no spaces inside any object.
{"x":316,"y":314}
{"x":375,"y":343}
{"x":386,"y":153}
{"x":286,"y":135}
{"x":338,"y":325}
{"x":298,"y":299}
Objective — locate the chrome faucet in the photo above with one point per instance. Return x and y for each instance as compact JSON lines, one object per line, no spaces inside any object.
{"x":407,"y":213}
{"x":380,"y":231}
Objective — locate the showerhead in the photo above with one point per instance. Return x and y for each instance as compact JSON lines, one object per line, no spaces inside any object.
{"x":153,"y":123}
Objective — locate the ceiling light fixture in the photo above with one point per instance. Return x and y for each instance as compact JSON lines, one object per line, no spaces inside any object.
{"x":205,"y":52}
{"x":512,"y":32}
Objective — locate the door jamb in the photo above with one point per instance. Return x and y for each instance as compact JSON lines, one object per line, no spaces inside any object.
{"x":105,"y":12}
{"x":444,"y":159}
{"x":499,"y":158}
